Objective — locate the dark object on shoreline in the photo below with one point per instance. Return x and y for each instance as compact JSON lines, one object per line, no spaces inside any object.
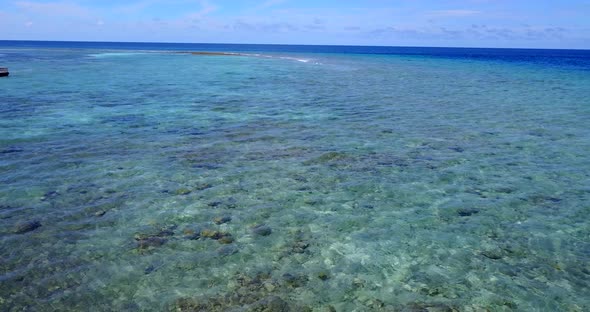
{"x":4,"y":72}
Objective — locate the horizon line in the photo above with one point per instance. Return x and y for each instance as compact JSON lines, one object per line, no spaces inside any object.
{"x":296,"y":44}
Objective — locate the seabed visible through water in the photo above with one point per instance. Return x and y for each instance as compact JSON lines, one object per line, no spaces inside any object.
{"x":135,"y":181}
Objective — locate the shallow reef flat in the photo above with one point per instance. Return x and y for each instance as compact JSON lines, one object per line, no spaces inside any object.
{"x":346,"y":183}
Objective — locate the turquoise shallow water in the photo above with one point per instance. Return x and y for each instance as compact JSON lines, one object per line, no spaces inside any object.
{"x":387,"y":182}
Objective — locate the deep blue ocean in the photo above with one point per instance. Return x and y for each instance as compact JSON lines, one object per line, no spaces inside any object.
{"x":144,"y":177}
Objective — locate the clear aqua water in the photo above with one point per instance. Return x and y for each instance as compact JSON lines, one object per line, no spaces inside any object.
{"x":408,"y":180}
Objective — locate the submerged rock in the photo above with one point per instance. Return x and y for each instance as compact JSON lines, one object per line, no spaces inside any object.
{"x":426,"y":307}
{"x":493,"y":252}
{"x":151,"y":242}
{"x":467,"y":212}
{"x":294,"y":281}
{"x":190,"y":305}
{"x":300,"y":246}
{"x":227,"y":250}
{"x":211,"y":234}
{"x":214,"y":204}
{"x":323,"y":276}
{"x":12,"y":150}
{"x":182,"y":191}
{"x":222,"y":220}
{"x":27,"y":226}
{"x":331,"y":156}
{"x":254,"y":282}
{"x":249,"y":302}
{"x":151,"y":268}
{"x":222,"y":237}
{"x":191,"y":234}
{"x":226,"y":239}
{"x":50,"y":195}
{"x":254,"y":292}
{"x":543,"y":199}
{"x":326,"y":158}
{"x":162,"y":232}
{"x":153,"y":238}
{"x":270,"y":304}
{"x":262,"y":230}
{"x":358,"y":283}
{"x":505,"y":190}
{"x":203,"y":186}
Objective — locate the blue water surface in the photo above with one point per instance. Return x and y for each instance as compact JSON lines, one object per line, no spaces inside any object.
{"x":293,"y":178}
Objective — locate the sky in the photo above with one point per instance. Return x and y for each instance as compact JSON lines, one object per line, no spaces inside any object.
{"x":449,"y":23}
